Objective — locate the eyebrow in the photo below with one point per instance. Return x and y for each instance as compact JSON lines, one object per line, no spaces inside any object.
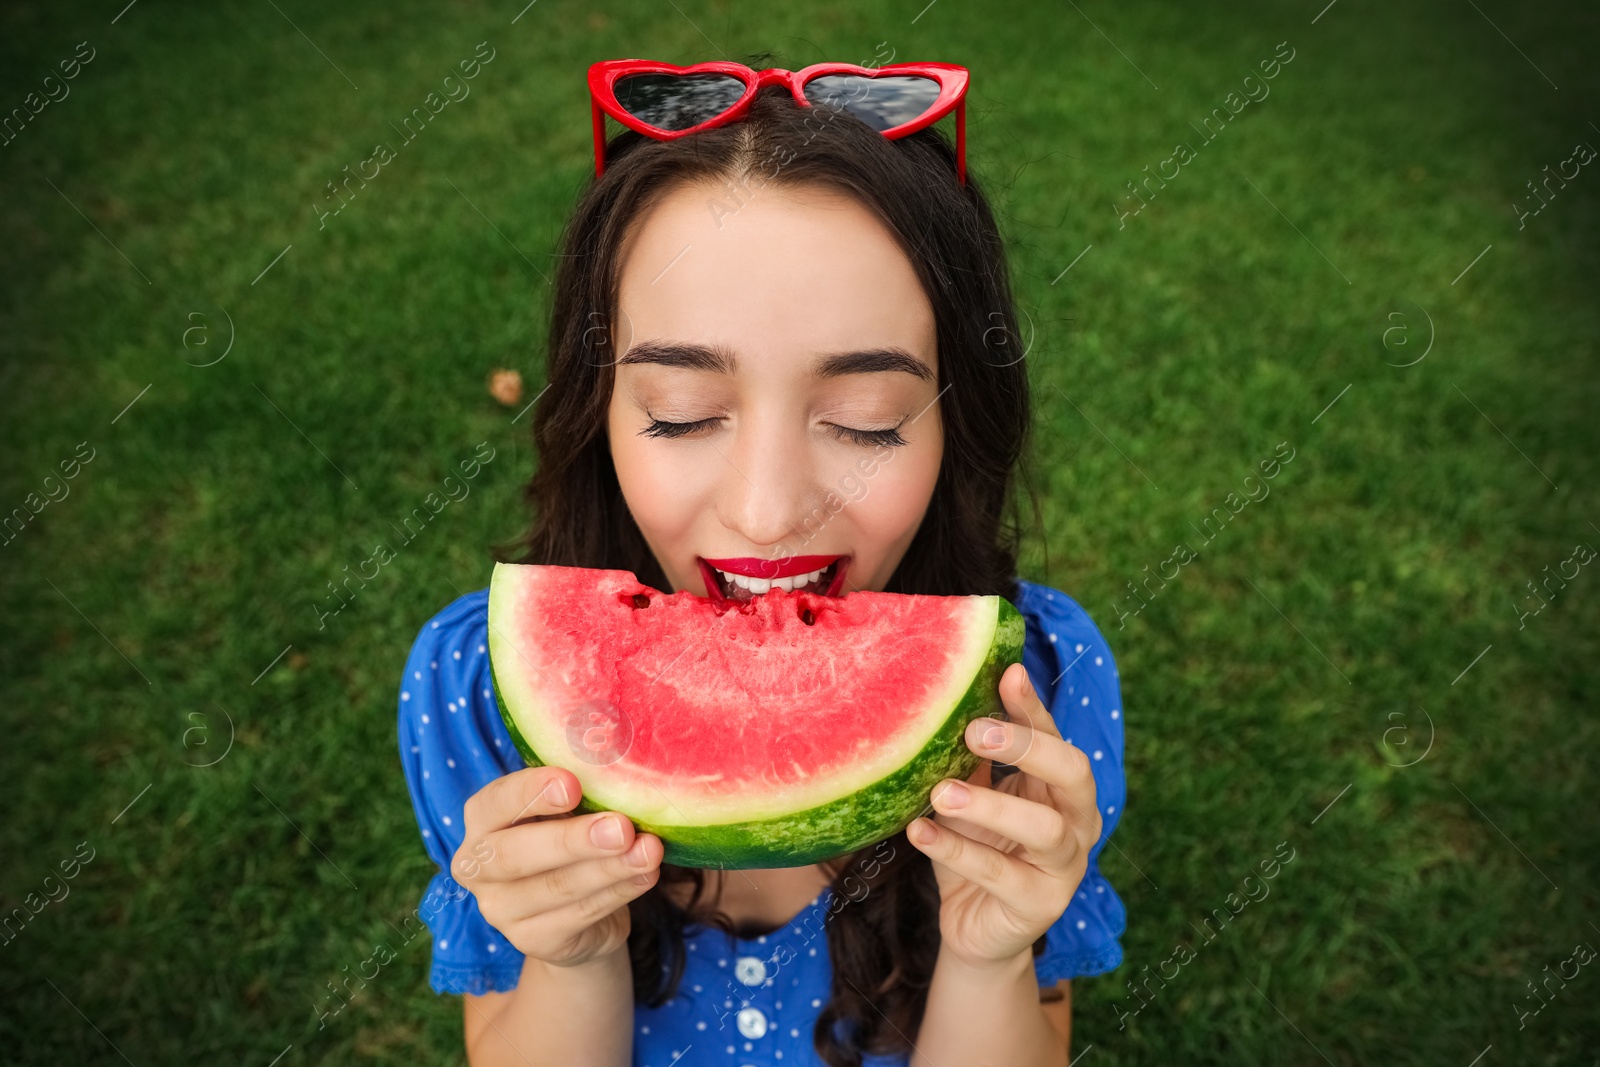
{"x":718,"y":359}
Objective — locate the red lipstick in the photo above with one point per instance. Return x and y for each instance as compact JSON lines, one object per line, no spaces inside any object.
{"x":756,"y":567}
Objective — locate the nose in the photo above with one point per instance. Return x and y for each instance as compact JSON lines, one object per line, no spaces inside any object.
{"x":770,"y":495}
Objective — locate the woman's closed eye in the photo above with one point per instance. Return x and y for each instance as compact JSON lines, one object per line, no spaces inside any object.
{"x":866,"y":438}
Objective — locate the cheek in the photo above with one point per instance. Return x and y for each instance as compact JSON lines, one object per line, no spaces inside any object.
{"x":664,"y":484}
{"x":887,"y":505}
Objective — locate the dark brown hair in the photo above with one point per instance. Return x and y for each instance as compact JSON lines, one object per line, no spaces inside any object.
{"x":884,"y":935}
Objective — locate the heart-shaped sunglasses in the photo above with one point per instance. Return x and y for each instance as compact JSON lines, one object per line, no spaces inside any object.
{"x":663,"y":101}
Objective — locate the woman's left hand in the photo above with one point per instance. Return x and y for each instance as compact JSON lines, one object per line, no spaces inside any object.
{"x":1008,"y":857}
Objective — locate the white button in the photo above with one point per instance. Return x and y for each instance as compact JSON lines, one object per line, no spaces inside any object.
{"x":750,"y":970}
{"x":751,"y":1022}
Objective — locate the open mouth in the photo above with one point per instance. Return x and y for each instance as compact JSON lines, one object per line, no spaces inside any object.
{"x":742,"y":580}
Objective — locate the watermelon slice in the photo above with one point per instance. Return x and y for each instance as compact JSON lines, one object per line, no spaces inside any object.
{"x":773,"y":731}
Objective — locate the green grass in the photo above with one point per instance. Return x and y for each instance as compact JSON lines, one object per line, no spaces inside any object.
{"x":1258,"y":684}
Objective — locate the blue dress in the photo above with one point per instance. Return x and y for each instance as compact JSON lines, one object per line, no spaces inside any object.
{"x":741,"y":1001}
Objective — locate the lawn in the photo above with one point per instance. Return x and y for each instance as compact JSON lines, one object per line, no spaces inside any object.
{"x":248,"y":388}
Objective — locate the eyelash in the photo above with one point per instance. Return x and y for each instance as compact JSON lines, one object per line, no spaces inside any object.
{"x":865,"y":438}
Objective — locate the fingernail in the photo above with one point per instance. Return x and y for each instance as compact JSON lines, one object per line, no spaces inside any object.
{"x":954,"y":795}
{"x":643,"y":879}
{"x":607,"y":833}
{"x":636,"y":857}
{"x":921,"y":831}
{"x":994,"y":736}
{"x":556,"y":793}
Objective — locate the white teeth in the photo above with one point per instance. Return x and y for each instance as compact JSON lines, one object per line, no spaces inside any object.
{"x":756,"y":586}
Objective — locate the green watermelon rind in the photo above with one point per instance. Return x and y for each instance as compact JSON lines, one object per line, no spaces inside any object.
{"x":872,"y":813}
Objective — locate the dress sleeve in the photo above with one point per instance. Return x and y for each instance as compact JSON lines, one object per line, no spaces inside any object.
{"x":1071,"y":667}
{"x":453,"y":743}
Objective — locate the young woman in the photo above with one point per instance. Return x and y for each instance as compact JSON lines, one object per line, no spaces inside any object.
{"x":782,"y":334}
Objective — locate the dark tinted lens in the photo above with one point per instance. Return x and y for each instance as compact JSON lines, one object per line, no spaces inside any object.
{"x":677,"y":101}
{"x":882,"y":103}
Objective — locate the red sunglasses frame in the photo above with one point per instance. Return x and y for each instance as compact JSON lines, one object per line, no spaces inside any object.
{"x":603,"y":77}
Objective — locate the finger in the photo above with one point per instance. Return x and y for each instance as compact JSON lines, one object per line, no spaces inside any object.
{"x":523,"y":794}
{"x":1043,"y":756}
{"x":1018,"y":884}
{"x":561,"y":886}
{"x":1022,"y":701}
{"x":556,"y":926}
{"x":1046,"y":834}
{"x":530,"y":849}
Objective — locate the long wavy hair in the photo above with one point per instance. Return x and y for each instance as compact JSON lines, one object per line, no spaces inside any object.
{"x":883,"y":936}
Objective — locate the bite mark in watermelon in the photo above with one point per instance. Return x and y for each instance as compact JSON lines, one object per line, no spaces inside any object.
{"x":773,"y":732}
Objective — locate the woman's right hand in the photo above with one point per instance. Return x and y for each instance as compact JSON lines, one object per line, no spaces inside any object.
{"x":556,"y":885}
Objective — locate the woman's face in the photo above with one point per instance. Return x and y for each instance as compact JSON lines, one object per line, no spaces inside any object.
{"x":775,"y":412}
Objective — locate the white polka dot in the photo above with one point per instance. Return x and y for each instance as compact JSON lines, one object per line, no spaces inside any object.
{"x":486,"y":692}
{"x":405,"y":696}
{"x":748,"y":1046}
{"x":496,"y":745}
{"x":777,"y":1054}
{"x":794,"y":1033}
{"x":1099,"y":889}
{"x":434,"y":664}
{"x":417,"y":675}
{"x":1098,"y":662}
{"x":730,"y":1047}
{"x":780,"y":1004}
{"x":451,"y":705}
{"x":1097,"y":755}
{"x":1077,"y":648}
{"x":444,"y":944}
{"x":414,"y":748}
{"x":692,"y":947}
{"x":701,"y":1025}
{"x":1085,"y":701}
{"x":1052,"y":639}
{"x":480,"y":648}
{"x":722,"y":963}
{"x":1116,"y":713}
{"x":435,"y":626}
{"x":1082,"y":924}
{"x":456,"y":653}
{"x":425,"y":774}
{"x":811,"y":952}
{"x":816,"y":1003}
{"x":761,"y":940}
{"x":452,"y":763}
{"x":697,"y":989}
{"x":447,"y":820}
{"x":494,"y":948}
{"x":644,"y":1029}
{"x":424,"y":718}
{"x":1112,"y":810}
{"x":427,"y":833}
